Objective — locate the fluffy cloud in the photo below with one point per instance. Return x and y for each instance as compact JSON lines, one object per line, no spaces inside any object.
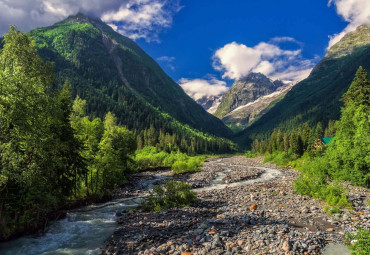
{"x":133,"y":18}
{"x":199,"y":88}
{"x":237,"y":60}
{"x":355,"y":12}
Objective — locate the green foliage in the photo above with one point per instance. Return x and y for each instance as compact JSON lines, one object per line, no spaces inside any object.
{"x":173,"y":194}
{"x":349,"y":151}
{"x":318,"y":188}
{"x":251,"y":154}
{"x":193,"y":164}
{"x":332,"y":210}
{"x":114,"y":156}
{"x":151,"y":158}
{"x":40,"y":160}
{"x":360,"y":242}
{"x":280,"y":158}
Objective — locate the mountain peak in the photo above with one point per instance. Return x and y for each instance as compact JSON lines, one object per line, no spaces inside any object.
{"x":351,"y":41}
{"x":246,"y":90}
{"x":254,"y":76}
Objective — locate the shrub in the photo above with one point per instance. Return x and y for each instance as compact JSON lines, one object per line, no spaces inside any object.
{"x":316,"y":187}
{"x":250,"y":154}
{"x":173,"y":194}
{"x":193,"y":164}
{"x":360,"y":242}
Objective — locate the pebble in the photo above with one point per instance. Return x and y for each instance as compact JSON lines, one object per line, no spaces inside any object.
{"x":263,"y":218}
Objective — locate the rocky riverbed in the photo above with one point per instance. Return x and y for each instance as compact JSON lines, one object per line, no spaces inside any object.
{"x":235,"y":215}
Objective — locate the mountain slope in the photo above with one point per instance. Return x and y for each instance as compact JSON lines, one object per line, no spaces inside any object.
{"x":244,"y":115}
{"x":244,"y":91}
{"x":210,"y":103}
{"x":317,"y":98}
{"x":111,"y":72}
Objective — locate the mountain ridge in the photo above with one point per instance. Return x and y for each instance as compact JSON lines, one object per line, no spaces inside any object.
{"x":71,"y":42}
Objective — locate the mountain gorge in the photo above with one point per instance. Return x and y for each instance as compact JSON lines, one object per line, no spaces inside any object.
{"x":317,"y":98}
{"x":114,"y":74}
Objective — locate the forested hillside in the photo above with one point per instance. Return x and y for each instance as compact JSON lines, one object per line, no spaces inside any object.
{"x":113,"y":74}
{"x":317,"y":98}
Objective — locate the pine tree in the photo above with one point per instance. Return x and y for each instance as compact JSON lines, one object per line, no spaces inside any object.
{"x":349,"y":152}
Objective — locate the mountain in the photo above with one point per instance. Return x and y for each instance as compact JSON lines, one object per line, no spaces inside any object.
{"x":210,"y":103}
{"x":317,"y":98}
{"x":114,"y":74}
{"x":241,"y":117}
{"x":246,"y":90}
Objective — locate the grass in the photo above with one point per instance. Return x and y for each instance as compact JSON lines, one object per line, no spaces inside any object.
{"x":313,"y":181}
{"x":173,"y":194}
{"x":332,"y":210}
{"x":360,"y":242}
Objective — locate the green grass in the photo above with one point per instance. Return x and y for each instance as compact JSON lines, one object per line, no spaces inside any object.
{"x":173,"y":194}
{"x":332,"y":210}
{"x":333,"y":194}
{"x":360,"y":242}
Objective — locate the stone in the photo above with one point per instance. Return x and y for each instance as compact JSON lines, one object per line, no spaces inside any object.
{"x":219,"y":216}
{"x":253,"y":207}
{"x":240,"y":242}
{"x":212,"y":232}
{"x":286,"y":246}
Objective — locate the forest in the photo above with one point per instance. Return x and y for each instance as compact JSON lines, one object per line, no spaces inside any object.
{"x":53,"y":153}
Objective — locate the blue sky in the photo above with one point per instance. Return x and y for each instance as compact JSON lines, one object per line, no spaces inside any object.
{"x":205,"y":45}
{"x":202,"y":27}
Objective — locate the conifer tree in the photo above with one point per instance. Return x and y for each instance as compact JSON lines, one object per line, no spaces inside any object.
{"x":349,"y":152}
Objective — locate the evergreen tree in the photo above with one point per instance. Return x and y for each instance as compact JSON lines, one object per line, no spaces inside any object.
{"x":349,"y":152}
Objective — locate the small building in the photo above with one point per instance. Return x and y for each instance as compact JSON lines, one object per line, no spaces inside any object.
{"x":327,"y":140}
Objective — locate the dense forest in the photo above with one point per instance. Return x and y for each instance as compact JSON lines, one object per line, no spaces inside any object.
{"x":53,"y":152}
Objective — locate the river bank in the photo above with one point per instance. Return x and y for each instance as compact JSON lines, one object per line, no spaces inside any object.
{"x":265,"y":217}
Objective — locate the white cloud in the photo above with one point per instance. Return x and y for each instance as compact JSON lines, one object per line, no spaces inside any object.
{"x":168,"y":61}
{"x":199,"y":88}
{"x":237,"y":60}
{"x":133,"y":18}
{"x":355,"y":12}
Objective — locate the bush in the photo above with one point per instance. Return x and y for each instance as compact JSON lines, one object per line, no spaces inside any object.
{"x":281,"y":158}
{"x":173,"y":194}
{"x":316,"y":187}
{"x":151,"y":157}
{"x":360,"y":242}
{"x":251,"y":154}
{"x":193,"y":164}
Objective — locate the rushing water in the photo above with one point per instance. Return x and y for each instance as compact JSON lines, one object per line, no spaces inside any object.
{"x":81,"y":232}
{"x":218,"y":182}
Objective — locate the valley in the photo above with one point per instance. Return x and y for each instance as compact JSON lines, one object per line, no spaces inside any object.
{"x":153,"y":127}
{"x":259,"y":213}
